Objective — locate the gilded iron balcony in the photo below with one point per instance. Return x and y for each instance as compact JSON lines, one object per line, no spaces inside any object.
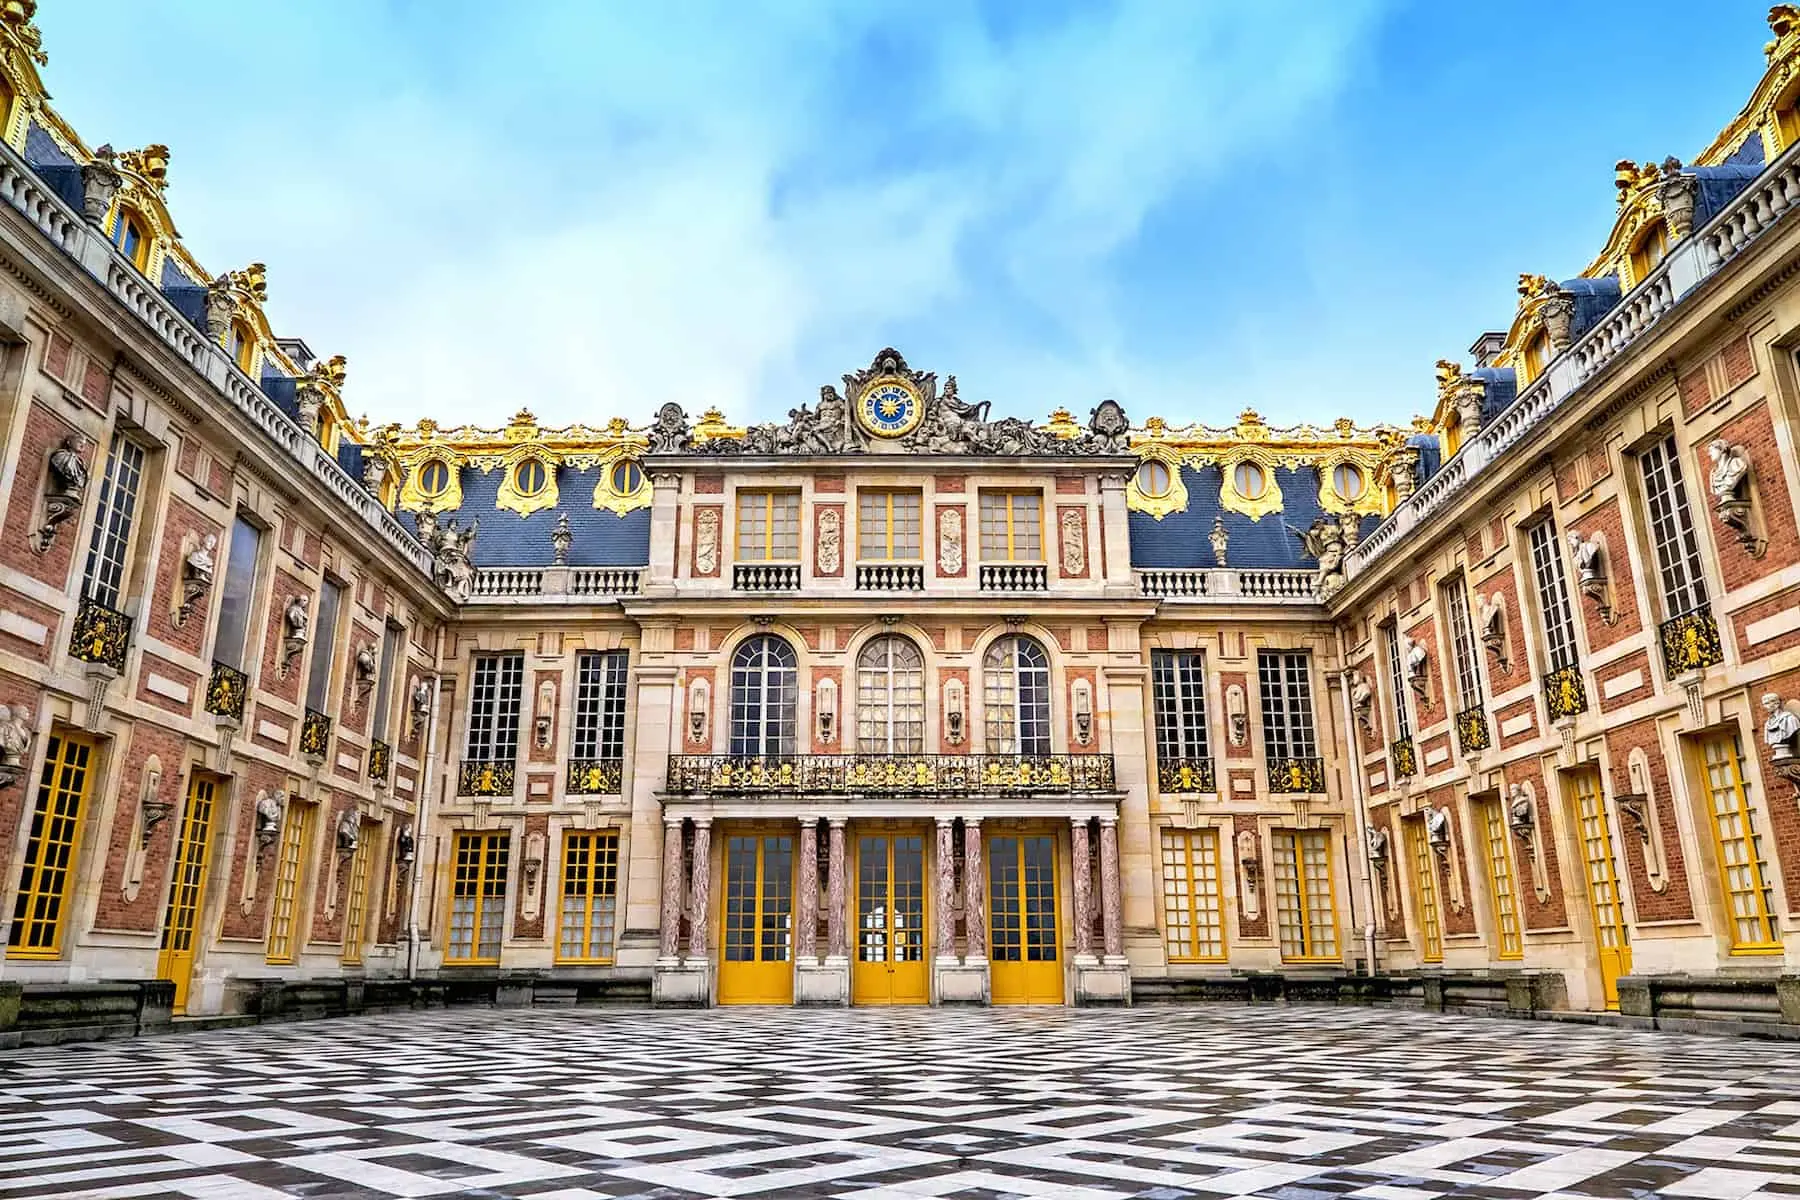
{"x":596,"y":776}
{"x":1294,"y":776}
{"x":101,"y":635}
{"x":381,"y":756}
{"x":1402,"y":758}
{"x":315,"y":734}
{"x":892,"y":774}
{"x":484,"y":777}
{"x":1185,"y":776}
{"x":1564,"y":693}
{"x":226,"y":689}
{"x":1015,"y":577}
{"x":765,"y":577}
{"x":1472,"y":730}
{"x":1691,"y":641}
{"x":890,"y":577}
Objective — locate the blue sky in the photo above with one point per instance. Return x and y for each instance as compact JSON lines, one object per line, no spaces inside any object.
{"x":1192,"y":206}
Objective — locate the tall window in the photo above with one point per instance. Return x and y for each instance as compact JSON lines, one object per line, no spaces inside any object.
{"x":109,"y":549}
{"x":1425,"y":891}
{"x":764,"y":687}
{"x":477,"y":898}
{"x":1012,"y":527}
{"x":237,"y":594}
{"x":887,"y":525}
{"x":1305,"y":909}
{"x":768,"y":526}
{"x":284,"y":902}
{"x":356,"y":902}
{"x":325,"y":623}
{"x":1672,"y":530}
{"x":890,"y":697}
{"x":1500,"y":878}
{"x":1178,"y":695}
{"x":589,"y":897}
{"x":37,"y":920}
{"x":1285,"y":680}
{"x":1397,"y":681}
{"x":600,"y":704}
{"x":1455,"y":595}
{"x":495,"y":690}
{"x":1016,"y":675}
{"x":1193,"y":916}
{"x":1553,"y":595}
{"x":128,"y":235}
{"x":1743,"y":865}
{"x":393,"y":637}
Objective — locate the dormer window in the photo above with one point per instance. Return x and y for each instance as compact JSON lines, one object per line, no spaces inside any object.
{"x":1348,"y":482}
{"x":529,"y":477}
{"x":127,"y":233}
{"x":434,"y":478}
{"x":1537,"y":354}
{"x":1787,"y":117}
{"x":627,"y":477}
{"x":1154,"y":479}
{"x":242,"y":344}
{"x":1249,"y":481}
{"x":1648,"y":251}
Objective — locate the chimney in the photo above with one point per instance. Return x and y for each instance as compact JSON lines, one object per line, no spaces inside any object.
{"x":297,"y":350}
{"x":1487,"y":348}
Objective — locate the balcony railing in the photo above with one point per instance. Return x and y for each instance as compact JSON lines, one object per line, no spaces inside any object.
{"x":1691,"y":641}
{"x":892,"y":774}
{"x":1227,"y":584}
{"x":890,"y":577}
{"x":315,"y":734}
{"x":595,"y":776}
{"x":381,"y":756}
{"x":1294,"y":776}
{"x":1472,"y":730}
{"x":765,"y":577}
{"x":226,"y":689}
{"x":101,"y":635}
{"x":1564,"y":693}
{"x":1015,"y":577}
{"x":1185,"y":776}
{"x":1402,"y":758}
{"x":484,"y":777}
{"x":505,"y":583}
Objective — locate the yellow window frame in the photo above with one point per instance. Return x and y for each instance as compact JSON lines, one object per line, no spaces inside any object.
{"x":1425,"y":892}
{"x":769,"y":500}
{"x":356,"y":900}
{"x":884,"y":498}
{"x":1014,"y":526}
{"x":126,"y":217}
{"x":478,"y":873}
{"x":1190,"y":891}
{"x":590,"y":874}
{"x":1500,"y":879}
{"x":41,"y":907}
{"x":284,"y":900}
{"x":1299,"y":847}
{"x":1728,"y":803}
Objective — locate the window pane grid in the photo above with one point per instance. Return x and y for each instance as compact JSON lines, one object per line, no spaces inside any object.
{"x":1743,"y":867}
{"x":1595,"y":833}
{"x":1672,"y":530}
{"x":1286,"y":688}
{"x":890,"y":698}
{"x":1425,"y":891}
{"x":477,"y":897}
{"x":1011,"y":527}
{"x":496,"y":688}
{"x":764,"y":692}
{"x":1193,"y":915}
{"x":1178,"y":697}
{"x":1462,"y":641}
{"x":1397,"y":681}
{"x":600,"y":704}
{"x":318,"y":680}
{"x":38,"y":909}
{"x":589,"y":898}
{"x":1553,"y":596}
{"x":356,"y":903}
{"x":888,"y":525}
{"x":190,"y":868}
{"x":1305,"y":911}
{"x":1500,"y":877}
{"x":103,"y":579}
{"x":237,"y":593}
{"x":768,"y":526}
{"x":1016,"y":697}
{"x":296,"y":835}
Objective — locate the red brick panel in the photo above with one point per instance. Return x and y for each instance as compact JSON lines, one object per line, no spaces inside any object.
{"x":169,"y":673}
{"x":1623,"y":590}
{"x":269,"y":679}
{"x":709,"y":485}
{"x":1505,"y":583}
{"x":43,"y":433}
{"x":1503,"y":715}
{"x":20,"y":695}
{"x":1431,"y":707}
{"x":329,"y":927}
{"x":1539,"y":914}
{"x":1673,"y":903}
{"x":1265,"y":884}
{"x":247,"y":920}
{"x":1775,"y":799}
{"x":1743,"y":618}
{"x":184,"y":526}
{"x":1638,"y":661}
{"x":31,"y":610}
{"x":1454,"y":922}
{"x":115,"y":911}
{"x":1774,"y":515}
{"x":549,"y":877}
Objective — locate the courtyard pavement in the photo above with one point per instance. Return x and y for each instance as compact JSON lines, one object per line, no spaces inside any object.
{"x":1160,"y":1103}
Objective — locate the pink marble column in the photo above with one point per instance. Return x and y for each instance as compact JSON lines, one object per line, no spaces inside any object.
{"x":974,"y":888}
{"x":836,"y":894}
{"x":946,"y":888}
{"x":1111,"y":907}
{"x":672,"y":893}
{"x":1081,"y":873}
{"x":806,"y":911}
{"x":699,"y":920}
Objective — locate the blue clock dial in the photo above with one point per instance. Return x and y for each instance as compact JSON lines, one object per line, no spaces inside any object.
{"x":889,"y":409}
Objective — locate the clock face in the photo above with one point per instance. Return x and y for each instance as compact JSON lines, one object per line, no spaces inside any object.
{"x":889,"y":409}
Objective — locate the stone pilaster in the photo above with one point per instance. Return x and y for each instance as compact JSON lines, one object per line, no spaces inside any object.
{"x":974,"y":889}
{"x":806,"y":907}
{"x":669,"y":949}
{"x":1081,"y":866}
{"x":945,"y":866}
{"x":836,"y":895}
{"x":1111,"y":908}
{"x":698,"y":889}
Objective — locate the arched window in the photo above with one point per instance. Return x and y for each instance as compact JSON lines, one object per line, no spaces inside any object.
{"x":128,"y":235}
{"x":242,"y":344}
{"x":1648,"y":250}
{"x":890,"y":698}
{"x":764,"y":684}
{"x":1017,"y":697}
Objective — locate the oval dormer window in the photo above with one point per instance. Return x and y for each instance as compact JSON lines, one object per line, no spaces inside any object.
{"x":1153,"y":479}
{"x":434,"y":477}
{"x":627,"y":478}
{"x":529,"y":477}
{"x":1348,"y":482}
{"x":1249,"y":481}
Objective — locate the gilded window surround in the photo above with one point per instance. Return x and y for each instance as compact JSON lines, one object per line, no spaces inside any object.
{"x":1640,"y":206}
{"x":522,"y":439}
{"x":1761,"y":115}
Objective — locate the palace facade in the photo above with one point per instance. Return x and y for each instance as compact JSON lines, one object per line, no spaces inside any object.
{"x":903,"y":699}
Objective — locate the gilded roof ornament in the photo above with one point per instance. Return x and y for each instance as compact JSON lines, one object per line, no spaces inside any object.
{"x":151,"y":164}
{"x":1784,"y":23}
{"x":16,"y":16}
{"x":252,"y":281}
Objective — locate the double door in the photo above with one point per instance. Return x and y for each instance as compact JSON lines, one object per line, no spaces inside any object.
{"x":1606,"y":900}
{"x":889,"y":964}
{"x":1024,"y":938}
{"x":756,"y":961}
{"x":181,"y":918}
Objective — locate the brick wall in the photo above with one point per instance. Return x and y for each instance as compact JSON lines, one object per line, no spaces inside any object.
{"x":1265,"y":883}
{"x":1622,"y":593}
{"x":1539,"y":914}
{"x":43,"y":431}
{"x":1774,"y":514}
{"x":144,"y":913}
{"x":249,"y":920}
{"x":1674,"y":902}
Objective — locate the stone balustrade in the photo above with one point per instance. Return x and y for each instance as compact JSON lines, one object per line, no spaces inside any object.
{"x":1229,"y":584}
{"x":554,"y":584}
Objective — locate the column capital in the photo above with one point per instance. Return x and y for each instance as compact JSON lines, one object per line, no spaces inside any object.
{"x":808,"y":819}
{"x":1076,"y":821}
{"x":1107,"y":821}
{"x":945,"y":822}
{"x":972,"y":822}
{"x":839,"y":822}
{"x":702,"y":822}
{"x":671,"y":822}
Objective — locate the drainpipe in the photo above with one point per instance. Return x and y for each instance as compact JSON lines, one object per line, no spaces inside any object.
{"x":419,"y":818}
{"x":1358,"y":802}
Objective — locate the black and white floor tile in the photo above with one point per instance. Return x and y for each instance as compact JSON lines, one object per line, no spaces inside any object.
{"x":1159,"y":1104}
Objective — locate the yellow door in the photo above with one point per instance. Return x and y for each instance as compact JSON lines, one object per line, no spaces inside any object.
{"x":1024,"y":964}
{"x":890,"y":921}
{"x":1612,"y":941}
{"x":756,"y":965}
{"x":176,"y":961}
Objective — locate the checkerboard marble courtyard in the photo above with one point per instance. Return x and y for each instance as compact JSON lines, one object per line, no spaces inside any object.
{"x":1160,"y":1104}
